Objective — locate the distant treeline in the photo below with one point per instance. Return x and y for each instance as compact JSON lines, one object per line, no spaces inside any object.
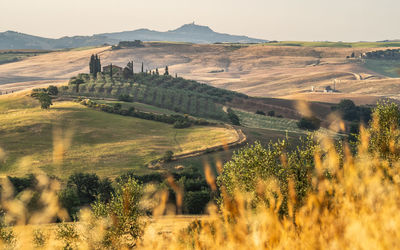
{"x":178,"y":121}
{"x":389,"y":54}
{"x":165,"y":91}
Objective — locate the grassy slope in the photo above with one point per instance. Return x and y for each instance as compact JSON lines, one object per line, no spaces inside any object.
{"x":103,"y":143}
{"x":390,"y":68}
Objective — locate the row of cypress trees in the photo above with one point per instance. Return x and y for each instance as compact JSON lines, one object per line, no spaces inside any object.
{"x":95,"y":64}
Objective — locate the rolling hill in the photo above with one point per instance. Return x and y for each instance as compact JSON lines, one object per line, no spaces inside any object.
{"x":256,"y":70}
{"x":70,"y":138}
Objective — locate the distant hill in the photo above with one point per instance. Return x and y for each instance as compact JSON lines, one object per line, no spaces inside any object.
{"x":187,"y":33}
{"x":16,"y":40}
{"x":191,"y":33}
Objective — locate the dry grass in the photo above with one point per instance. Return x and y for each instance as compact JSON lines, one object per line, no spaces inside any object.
{"x":269,"y":71}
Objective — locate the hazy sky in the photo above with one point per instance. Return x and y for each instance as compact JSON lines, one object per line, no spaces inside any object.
{"x":316,"y":20}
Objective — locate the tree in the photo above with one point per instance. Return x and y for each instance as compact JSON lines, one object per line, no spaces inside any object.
{"x":271,"y":113}
{"x":124,"y":212}
{"x":142,"y":68}
{"x":157,"y":73}
{"x":233,"y":117}
{"x":309,"y":123}
{"x":86,"y":185}
{"x":166,"y":73}
{"x":52,"y":90}
{"x":98,"y":65}
{"x":77,"y":82}
{"x":168,"y":156}
{"x":44,"y":99}
{"x":92,"y":65}
{"x":257,"y":168}
{"x":348,"y":110}
{"x":384,"y":133}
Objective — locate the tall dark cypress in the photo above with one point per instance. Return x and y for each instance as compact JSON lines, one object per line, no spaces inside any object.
{"x":166,"y":71}
{"x":92,"y":65}
{"x":142,"y":67}
{"x":98,"y":64}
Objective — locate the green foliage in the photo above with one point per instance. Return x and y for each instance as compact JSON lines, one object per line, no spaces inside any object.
{"x":69,"y":200}
{"x":350,"y":112}
{"x":52,"y":90}
{"x":233,"y":117}
{"x":83,"y":189}
{"x":309,"y":123}
{"x":43,"y":98}
{"x":168,"y":156}
{"x":163,"y":91}
{"x":94,"y":65}
{"x":123,"y":210}
{"x":260,"y":112}
{"x":182,"y":123}
{"x":255,"y":165}
{"x":271,"y":113}
{"x":195,"y":202}
{"x":384,"y":131}
{"x":22,"y":183}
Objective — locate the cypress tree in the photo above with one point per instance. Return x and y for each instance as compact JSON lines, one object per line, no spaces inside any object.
{"x":111,"y":73}
{"x":142,"y":67}
{"x":157,"y":72}
{"x":91,"y":65}
{"x":98,"y":63}
{"x":166,"y":71}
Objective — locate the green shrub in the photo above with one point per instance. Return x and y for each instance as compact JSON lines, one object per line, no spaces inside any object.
{"x":309,"y":123}
{"x":195,"y":202}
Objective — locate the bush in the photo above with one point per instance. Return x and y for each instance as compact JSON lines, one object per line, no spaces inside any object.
{"x":52,"y":90}
{"x":168,"y":156}
{"x":271,"y":113}
{"x":233,"y":117}
{"x":309,"y":123}
{"x":182,"y":123}
{"x":259,"y":112}
{"x":125,"y":98}
{"x":124,"y":211}
{"x":196,"y":202}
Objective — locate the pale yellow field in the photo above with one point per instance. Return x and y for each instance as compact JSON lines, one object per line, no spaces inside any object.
{"x":260,"y":70}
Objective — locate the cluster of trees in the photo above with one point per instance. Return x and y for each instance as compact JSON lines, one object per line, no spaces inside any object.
{"x":350,"y":112}
{"x":270,"y":113}
{"x":178,"y":121}
{"x":87,"y":189}
{"x":94,"y":65}
{"x":196,"y":192}
{"x":389,"y":54}
{"x":43,"y":95}
{"x":256,"y":166}
{"x":177,"y":94}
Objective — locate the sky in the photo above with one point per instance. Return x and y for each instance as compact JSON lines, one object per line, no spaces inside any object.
{"x":306,"y":20}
